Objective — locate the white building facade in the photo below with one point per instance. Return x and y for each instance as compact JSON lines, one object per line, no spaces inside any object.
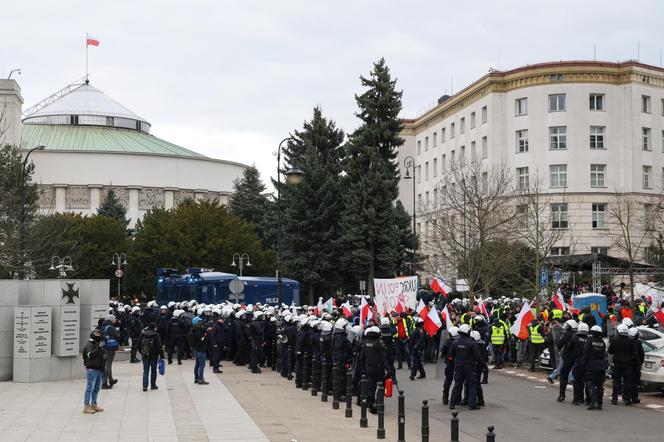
{"x":586,"y":129}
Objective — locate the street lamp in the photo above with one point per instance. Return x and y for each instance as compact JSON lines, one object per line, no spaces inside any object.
{"x":409,"y":162}
{"x":62,"y":266}
{"x":23,"y":214}
{"x":293,"y":176}
{"x":240,"y":258}
{"x":119,"y":260}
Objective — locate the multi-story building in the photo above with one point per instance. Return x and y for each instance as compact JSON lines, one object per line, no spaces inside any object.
{"x":588,"y":130}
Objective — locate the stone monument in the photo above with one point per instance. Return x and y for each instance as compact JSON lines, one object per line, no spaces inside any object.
{"x":32,"y":343}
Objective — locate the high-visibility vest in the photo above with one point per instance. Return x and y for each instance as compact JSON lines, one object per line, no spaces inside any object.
{"x":497,"y":335}
{"x":463,"y":318}
{"x":642,"y":309}
{"x":406,"y":329}
{"x":535,"y":337}
{"x":506,"y":327}
{"x":557,"y":313}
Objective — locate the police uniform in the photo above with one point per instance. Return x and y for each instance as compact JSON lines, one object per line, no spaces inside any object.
{"x":372,"y":362}
{"x":466,"y":355}
{"x":623,"y":351}
{"x":594,"y":364}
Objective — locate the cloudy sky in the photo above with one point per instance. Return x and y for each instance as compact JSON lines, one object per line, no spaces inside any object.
{"x":230,"y":79}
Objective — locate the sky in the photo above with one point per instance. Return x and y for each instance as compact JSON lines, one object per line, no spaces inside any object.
{"x":230,"y":79}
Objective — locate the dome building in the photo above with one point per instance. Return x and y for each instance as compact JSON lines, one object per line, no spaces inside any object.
{"x":93,"y":144}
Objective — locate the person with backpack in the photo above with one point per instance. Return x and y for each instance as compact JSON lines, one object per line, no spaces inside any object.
{"x":198,"y":339}
{"x":151,"y":352}
{"x":112,"y":338}
{"x":93,"y":359}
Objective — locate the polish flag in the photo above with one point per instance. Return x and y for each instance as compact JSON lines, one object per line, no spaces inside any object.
{"x":91,"y":41}
{"x":482,"y":308}
{"x":432,"y":322}
{"x":422,"y":310}
{"x":574,"y":311}
{"x":365,"y":311}
{"x":440,"y":285}
{"x":559,"y":301}
{"x":448,"y":320}
{"x":520,"y":327}
{"x":345,"y":307}
{"x":319,"y":307}
{"x":659,"y":315}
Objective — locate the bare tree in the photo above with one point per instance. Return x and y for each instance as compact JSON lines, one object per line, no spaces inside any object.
{"x":473,"y":212}
{"x":537,"y":224}
{"x":633,"y":219}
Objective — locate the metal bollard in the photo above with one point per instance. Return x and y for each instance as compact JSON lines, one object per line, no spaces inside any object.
{"x":349,"y":393}
{"x":315,"y":373}
{"x":454,"y":427}
{"x":317,"y":370}
{"x":290,"y":363}
{"x":274,"y":355}
{"x":364,"y":423}
{"x":425,"y":421}
{"x":325,"y":387}
{"x":335,"y":387}
{"x":306,"y":375}
{"x":402,"y":417}
{"x":490,"y":436}
{"x":380,"y":408}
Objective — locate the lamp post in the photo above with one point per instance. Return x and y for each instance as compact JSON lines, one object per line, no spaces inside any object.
{"x":62,"y":266}
{"x":119,"y":260}
{"x":409,"y":162}
{"x":240,"y":261}
{"x":293,"y":176}
{"x":23,"y":214}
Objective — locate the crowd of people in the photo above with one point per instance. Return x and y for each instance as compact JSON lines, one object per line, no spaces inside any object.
{"x":307,"y":340}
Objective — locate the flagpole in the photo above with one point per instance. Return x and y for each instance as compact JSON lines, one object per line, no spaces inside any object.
{"x":86,"y":55}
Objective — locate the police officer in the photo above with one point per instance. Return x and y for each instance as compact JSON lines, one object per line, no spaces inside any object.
{"x":342,"y":351}
{"x":218,"y":339}
{"x":594,"y":364}
{"x":162,"y":323}
{"x":637,"y":363}
{"x":536,"y":342}
{"x":302,"y":346}
{"x":176,"y":333}
{"x":466,"y":355}
{"x":577,"y":345}
{"x":372,"y":362}
{"x":445,"y":350}
{"x":387,"y":335}
{"x":270,"y":337}
{"x":479,"y":368}
{"x":135,"y":330}
{"x":621,"y":346}
{"x":257,"y":336}
{"x":241,"y":339}
{"x":418,"y":341}
{"x":564,"y":348}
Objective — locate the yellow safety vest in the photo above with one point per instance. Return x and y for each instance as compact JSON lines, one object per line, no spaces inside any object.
{"x":497,"y":335}
{"x":535,"y":337}
{"x":557,"y":313}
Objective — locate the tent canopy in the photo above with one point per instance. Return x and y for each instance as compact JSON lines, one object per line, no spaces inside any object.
{"x":584,"y":262}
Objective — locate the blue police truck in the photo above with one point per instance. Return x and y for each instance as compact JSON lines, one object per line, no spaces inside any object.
{"x":210,"y":287}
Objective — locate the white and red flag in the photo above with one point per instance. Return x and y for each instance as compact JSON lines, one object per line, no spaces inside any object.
{"x":520,"y":327}
{"x":365,"y":312}
{"x":448,"y":320}
{"x":441,"y":285}
{"x":345,"y":307}
{"x":422,"y":310}
{"x":432,"y":322}
{"x":659,"y":315}
{"x":91,"y":41}
{"x":559,"y":301}
{"x":482,"y":308}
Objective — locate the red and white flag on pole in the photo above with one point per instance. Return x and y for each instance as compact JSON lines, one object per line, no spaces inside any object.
{"x":91,"y":41}
{"x":422,"y":310}
{"x":448,"y":320}
{"x":659,"y":315}
{"x":432,"y":322}
{"x":482,"y":308}
{"x":365,"y":311}
{"x":440,"y":285}
{"x":319,"y":307}
{"x":559,"y":301}
{"x":520,"y":327}
{"x":345,"y":307}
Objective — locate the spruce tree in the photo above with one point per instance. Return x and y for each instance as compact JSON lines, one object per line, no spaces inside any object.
{"x":113,"y":208}
{"x":250,"y":203}
{"x":371,"y":242}
{"x":312,"y":208}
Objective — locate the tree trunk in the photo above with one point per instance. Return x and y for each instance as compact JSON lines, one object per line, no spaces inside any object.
{"x":370,"y":275}
{"x":310,"y":294}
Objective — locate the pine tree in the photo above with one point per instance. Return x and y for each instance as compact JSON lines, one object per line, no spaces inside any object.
{"x":371,"y":242}
{"x":113,"y":208}
{"x":250,"y":203}
{"x":312,"y":208}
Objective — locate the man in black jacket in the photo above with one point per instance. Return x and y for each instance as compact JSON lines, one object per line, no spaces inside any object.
{"x":176,"y":333}
{"x":418,"y":340}
{"x":112,"y":337}
{"x":93,"y":358}
{"x":594,"y":363}
{"x":637,"y":363}
{"x":623,"y":351}
{"x":372,"y":362}
{"x":151,"y":351}
{"x":567,"y":358}
{"x":466,"y":355}
{"x":199,"y":343}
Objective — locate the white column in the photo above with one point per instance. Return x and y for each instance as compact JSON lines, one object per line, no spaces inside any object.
{"x":132,"y":210}
{"x":169,"y":198}
{"x":95,"y":197}
{"x":60,"y":197}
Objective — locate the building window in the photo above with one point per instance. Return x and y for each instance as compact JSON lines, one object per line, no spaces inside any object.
{"x":647,"y":171}
{"x":462,"y":154}
{"x":485,"y":180}
{"x":663,"y":141}
{"x":557,"y":103}
{"x":559,"y":251}
{"x":435,"y":139}
{"x":645,"y":104}
{"x":472,"y":120}
{"x":662,"y":107}
{"x":435,"y":198}
{"x":419,"y":202}
{"x":443,"y":164}
{"x":597,"y":137}
{"x":559,"y":216}
{"x":442,"y":135}
{"x":473,"y":153}
{"x":462,"y":125}
{"x":597,"y":102}
{"x":485,"y":114}
{"x":522,"y":141}
{"x":485,"y":147}
{"x":426,"y":171}
{"x":522,"y":215}
{"x":599,"y":215}
{"x":452,"y":159}
{"x":435,"y":167}
{"x":645,"y":138}
{"x":426,"y":199}
{"x":648,"y":220}
{"x":426,"y":144}
{"x":522,"y":176}
{"x":597,"y":175}
{"x":521,"y":106}
{"x":419,"y":174}
{"x":419,"y":147}
{"x":452,"y":130}
{"x":558,"y":175}
{"x":558,"y":137}
{"x":599,"y":250}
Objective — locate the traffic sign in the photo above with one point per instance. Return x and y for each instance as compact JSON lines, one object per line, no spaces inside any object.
{"x":544,"y":276}
{"x":119,"y":273}
{"x":236,"y":286}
